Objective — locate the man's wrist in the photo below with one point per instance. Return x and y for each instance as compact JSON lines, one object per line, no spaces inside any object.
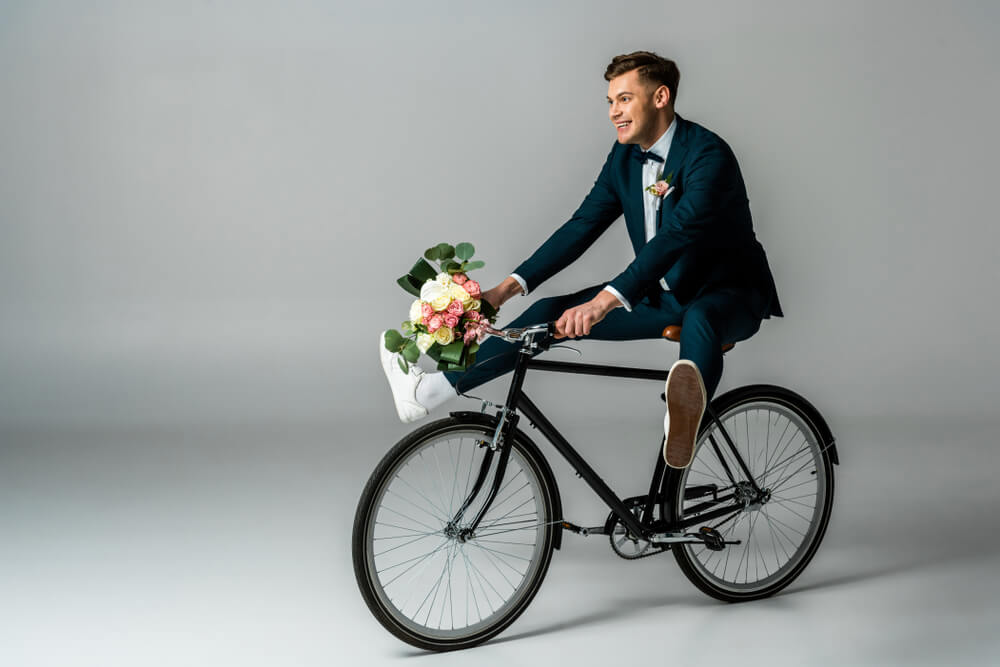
{"x":607,"y":301}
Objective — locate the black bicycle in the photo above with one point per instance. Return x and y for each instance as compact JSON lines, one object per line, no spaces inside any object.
{"x":455,"y":528}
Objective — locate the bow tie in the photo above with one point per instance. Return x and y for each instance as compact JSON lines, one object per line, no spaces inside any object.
{"x":643,"y":156}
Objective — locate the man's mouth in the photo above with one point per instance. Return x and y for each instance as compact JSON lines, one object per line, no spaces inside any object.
{"x":622,"y":124}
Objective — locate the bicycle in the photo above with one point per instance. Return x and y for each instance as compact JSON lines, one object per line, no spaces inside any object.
{"x":448,"y":552}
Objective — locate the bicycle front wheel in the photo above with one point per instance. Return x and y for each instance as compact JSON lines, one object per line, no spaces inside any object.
{"x":779,"y":533}
{"x":425,"y":581}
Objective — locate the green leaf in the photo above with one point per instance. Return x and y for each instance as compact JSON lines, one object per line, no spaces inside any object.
{"x":445,"y":251}
{"x":452,"y":352}
{"x":469,"y":266}
{"x":470,"y":359}
{"x":669,"y":178}
{"x":411,"y":352}
{"x":423,"y":272}
{"x":432,"y":254}
{"x":487,"y":309}
{"x":434,"y":352}
{"x":465,"y":250}
{"x":406,"y":327}
{"x":473,"y":348}
{"x":410,"y":284}
{"x":451,"y":266}
{"x":393,"y":340}
{"x":402,"y":364}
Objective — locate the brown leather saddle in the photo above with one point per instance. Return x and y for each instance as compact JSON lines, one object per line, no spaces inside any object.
{"x":673,"y":332}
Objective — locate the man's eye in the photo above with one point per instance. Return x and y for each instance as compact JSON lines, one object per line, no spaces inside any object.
{"x":625,"y":99}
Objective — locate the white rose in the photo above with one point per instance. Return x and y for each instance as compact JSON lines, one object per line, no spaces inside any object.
{"x":424,"y":342}
{"x":443,"y":278}
{"x":458,"y":292}
{"x":415,"y":311}
{"x":444,"y":335}
{"x":431,"y":290}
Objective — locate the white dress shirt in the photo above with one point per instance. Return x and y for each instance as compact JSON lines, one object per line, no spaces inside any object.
{"x":651,"y":169}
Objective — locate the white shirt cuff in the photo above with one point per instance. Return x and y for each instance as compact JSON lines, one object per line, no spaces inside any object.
{"x":520,"y":280}
{"x":619,"y":296}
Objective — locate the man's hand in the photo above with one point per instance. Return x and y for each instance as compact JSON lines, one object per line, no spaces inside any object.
{"x":578,"y":320}
{"x":502,"y":292}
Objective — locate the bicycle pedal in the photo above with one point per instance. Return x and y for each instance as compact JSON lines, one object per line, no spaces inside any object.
{"x":713,"y":539}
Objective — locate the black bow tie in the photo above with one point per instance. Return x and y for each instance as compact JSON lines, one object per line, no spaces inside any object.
{"x":642,"y":156}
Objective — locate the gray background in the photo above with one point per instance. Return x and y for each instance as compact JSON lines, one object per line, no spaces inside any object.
{"x":204,"y":206}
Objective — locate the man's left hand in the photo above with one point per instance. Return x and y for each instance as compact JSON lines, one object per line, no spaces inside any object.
{"x":577,"y":321}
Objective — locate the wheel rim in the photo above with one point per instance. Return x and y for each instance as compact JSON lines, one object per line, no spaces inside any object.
{"x":428,"y":580}
{"x":785,"y":456}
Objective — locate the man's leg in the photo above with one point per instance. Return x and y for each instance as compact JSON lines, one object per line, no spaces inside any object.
{"x":496,"y":357}
{"x":713,"y":319}
{"x":726,"y":315}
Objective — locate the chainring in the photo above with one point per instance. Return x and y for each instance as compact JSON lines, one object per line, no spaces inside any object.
{"x":623,"y":543}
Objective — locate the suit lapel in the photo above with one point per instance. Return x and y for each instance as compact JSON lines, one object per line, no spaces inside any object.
{"x":636,"y":222}
{"x":675,"y":156}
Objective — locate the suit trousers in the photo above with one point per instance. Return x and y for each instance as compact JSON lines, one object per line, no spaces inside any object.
{"x":714,"y":317}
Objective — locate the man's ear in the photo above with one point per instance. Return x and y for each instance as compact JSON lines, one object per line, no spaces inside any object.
{"x":661,"y":97}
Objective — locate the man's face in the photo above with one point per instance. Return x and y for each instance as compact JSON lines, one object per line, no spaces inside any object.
{"x":633,"y":108}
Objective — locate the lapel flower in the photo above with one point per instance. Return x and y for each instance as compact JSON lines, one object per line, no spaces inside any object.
{"x":662,"y":187}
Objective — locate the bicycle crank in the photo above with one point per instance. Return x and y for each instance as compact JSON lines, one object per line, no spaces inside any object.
{"x":706,"y":536}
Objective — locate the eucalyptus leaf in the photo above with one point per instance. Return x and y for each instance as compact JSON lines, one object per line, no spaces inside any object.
{"x":465,"y":250}
{"x":411,"y":352}
{"x":402,"y":364}
{"x":393,"y":340}
{"x":432,"y":254}
{"x":451,"y":266}
{"x":469,"y":266}
{"x":445,"y":251}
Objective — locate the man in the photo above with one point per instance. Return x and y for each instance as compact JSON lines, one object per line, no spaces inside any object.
{"x":697,"y":264}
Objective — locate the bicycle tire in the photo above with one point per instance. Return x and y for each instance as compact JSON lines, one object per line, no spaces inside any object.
{"x":762,"y":408}
{"x":526,"y":460}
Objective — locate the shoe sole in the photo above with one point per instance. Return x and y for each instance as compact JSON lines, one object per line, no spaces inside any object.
{"x":686,"y":404}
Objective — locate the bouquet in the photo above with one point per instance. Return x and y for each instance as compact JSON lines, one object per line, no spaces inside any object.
{"x":447,"y":319}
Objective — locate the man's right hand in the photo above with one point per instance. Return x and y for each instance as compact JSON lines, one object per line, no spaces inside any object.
{"x":502,"y":292}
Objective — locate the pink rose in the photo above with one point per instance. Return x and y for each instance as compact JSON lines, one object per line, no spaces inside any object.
{"x":426,"y":310}
{"x":469,"y":336}
{"x":474,"y":315}
{"x":434,"y":322}
{"x":661,"y":187}
{"x":459,"y":278}
{"x":455,"y":308}
{"x":451,"y":320}
{"x":472,"y":287}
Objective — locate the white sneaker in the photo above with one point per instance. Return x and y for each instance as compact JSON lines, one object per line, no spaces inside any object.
{"x":403,"y":385}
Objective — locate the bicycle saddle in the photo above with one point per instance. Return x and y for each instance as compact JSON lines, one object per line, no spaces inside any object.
{"x":673,"y":332}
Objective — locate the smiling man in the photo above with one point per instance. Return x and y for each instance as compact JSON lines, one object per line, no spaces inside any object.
{"x":697,"y":261}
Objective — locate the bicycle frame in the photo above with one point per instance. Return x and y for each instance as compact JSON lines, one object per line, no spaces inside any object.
{"x":642,"y":526}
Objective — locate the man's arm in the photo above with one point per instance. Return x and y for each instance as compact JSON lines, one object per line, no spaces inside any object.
{"x":599,"y":209}
{"x":711,"y":184}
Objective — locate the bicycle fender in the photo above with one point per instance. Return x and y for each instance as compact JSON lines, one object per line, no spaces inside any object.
{"x":795,"y":399}
{"x":491,"y":421}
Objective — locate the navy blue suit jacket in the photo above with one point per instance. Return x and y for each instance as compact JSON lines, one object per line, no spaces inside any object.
{"x":704,"y":233}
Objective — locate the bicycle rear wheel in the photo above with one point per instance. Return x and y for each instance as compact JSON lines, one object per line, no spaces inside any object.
{"x":421,"y":579}
{"x":779,"y":535}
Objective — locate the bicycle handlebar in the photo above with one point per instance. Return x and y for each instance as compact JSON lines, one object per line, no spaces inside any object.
{"x":515,"y":334}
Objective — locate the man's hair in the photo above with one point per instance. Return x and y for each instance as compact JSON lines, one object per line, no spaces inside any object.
{"x":652,"y":69}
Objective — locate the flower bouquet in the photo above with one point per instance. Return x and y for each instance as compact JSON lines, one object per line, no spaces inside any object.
{"x":447,"y":319}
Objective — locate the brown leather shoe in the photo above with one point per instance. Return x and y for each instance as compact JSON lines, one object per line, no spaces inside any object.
{"x":686,"y":400}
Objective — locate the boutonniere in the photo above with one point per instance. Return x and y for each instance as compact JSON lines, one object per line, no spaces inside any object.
{"x":662,"y":187}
